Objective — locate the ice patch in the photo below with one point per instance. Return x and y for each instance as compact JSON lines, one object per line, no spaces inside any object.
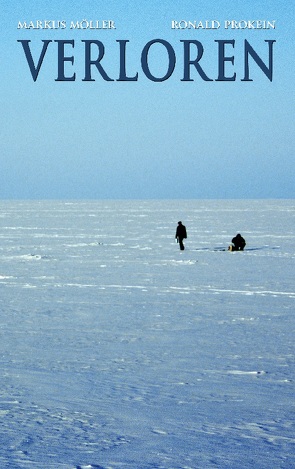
{"x":253,"y":292}
{"x":30,"y":257}
{"x":253,"y":373}
{"x":180,"y":262}
{"x":158,"y":431}
{"x":90,"y":466}
{"x":82,"y":245}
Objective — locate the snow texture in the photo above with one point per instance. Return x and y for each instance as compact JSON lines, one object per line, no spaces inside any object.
{"x":118,"y":350}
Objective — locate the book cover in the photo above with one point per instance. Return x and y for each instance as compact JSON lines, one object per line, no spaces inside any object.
{"x":147,"y":235}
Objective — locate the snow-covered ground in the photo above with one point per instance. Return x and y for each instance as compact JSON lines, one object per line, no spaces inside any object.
{"x":120,"y":351}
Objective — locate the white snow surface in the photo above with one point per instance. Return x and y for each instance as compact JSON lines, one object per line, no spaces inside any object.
{"x":118,"y":350}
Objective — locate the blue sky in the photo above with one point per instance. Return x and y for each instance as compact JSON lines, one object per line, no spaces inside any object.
{"x":174,"y":139}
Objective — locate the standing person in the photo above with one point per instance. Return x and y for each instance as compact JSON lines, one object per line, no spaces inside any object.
{"x":238,"y":243}
{"x":180,"y":234}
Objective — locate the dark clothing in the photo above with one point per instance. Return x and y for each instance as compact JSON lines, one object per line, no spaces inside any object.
{"x":238,"y":243}
{"x":180,"y":234}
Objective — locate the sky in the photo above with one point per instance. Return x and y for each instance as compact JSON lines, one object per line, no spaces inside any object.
{"x":145,"y":139}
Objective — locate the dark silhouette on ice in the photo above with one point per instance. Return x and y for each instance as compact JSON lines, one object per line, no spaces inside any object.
{"x":238,"y":243}
{"x":180,"y":235}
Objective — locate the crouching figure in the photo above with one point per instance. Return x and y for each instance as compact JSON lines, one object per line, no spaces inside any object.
{"x":238,"y":243}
